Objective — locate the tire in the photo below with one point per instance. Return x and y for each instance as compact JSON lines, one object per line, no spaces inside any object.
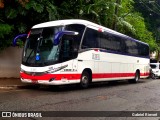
{"x":85,"y":80}
{"x":136,"y":78}
{"x":153,"y":76}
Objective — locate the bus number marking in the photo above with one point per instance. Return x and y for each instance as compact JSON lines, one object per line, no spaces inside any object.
{"x":95,"y":56}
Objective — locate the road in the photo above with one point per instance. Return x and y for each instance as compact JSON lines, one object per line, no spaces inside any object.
{"x":118,"y":96}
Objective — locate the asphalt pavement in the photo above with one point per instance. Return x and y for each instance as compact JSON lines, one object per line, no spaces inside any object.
{"x":13,"y":83}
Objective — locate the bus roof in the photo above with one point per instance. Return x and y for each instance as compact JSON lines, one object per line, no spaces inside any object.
{"x":82,"y":22}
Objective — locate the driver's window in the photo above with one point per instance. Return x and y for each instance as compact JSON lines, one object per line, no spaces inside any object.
{"x":66,"y":48}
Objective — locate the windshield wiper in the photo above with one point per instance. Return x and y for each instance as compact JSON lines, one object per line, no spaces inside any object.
{"x":29,"y":55}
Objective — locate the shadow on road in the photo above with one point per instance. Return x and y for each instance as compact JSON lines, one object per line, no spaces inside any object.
{"x":74,"y":87}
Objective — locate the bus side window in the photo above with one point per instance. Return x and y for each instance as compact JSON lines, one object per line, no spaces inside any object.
{"x":131,"y":47}
{"x":116,"y":44}
{"x":90,"y":39}
{"x":104,"y":41}
{"x":143,"y":50}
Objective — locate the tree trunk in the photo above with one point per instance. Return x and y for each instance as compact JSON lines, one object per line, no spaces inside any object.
{"x":114,"y":27}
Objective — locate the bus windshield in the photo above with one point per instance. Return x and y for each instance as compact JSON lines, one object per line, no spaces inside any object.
{"x":40,"y":50}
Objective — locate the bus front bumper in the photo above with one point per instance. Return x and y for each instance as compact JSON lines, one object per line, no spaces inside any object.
{"x":51,"y":79}
{"x":48,"y":82}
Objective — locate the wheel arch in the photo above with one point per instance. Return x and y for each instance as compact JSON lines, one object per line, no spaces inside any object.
{"x":138,"y":71}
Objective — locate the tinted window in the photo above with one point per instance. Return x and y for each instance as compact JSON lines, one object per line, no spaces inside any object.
{"x":90,"y":39}
{"x":131,"y":47}
{"x":66,"y":48}
{"x":153,"y":66}
{"x":143,"y":50}
{"x":77,"y":28}
{"x":105,"y":41}
{"x":115,"y":43}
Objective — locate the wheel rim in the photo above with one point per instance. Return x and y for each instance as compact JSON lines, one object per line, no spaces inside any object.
{"x":84,"y":80}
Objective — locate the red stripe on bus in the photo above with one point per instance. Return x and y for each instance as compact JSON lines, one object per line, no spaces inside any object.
{"x":144,"y":74}
{"x":51,"y":76}
{"x":113,"y":75}
{"x":78,"y":76}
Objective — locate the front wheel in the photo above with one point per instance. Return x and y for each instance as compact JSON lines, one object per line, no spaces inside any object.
{"x":85,"y":80}
{"x":136,"y":79}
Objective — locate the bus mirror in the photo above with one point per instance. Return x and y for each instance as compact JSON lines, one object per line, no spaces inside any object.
{"x":19,"y":39}
{"x":60,"y":34}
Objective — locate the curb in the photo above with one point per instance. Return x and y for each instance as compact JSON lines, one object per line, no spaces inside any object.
{"x":9,"y":87}
{"x":13,"y":87}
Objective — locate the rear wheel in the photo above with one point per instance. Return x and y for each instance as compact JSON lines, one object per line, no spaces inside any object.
{"x":85,"y":79}
{"x":136,"y":79}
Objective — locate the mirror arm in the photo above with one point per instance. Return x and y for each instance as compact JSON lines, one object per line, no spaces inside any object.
{"x":17,"y":37}
{"x":61,"y":33}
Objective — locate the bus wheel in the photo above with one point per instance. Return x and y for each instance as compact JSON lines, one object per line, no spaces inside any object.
{"x":136,"y":79}
{"x":153,"y":76}
{"x":84,"y":80}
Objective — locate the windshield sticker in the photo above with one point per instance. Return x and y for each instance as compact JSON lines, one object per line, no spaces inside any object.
{"x":37,"y":57}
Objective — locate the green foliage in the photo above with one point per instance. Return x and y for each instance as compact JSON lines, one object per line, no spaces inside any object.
{"x":52,"y":11}
{"x":125,"y":16}
{"x":140,"y":30}
{"x":19,"y":16}
{"x":5,"y":29}
{"x":20,"y":43}
{"x":22,"y":28}
{"x":11,"y":13}
{"x":36,"y":6}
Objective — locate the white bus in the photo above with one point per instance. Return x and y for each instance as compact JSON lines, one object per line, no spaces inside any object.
{"x":78,"y":51}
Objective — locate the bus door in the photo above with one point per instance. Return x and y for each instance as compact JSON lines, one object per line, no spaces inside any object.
{"x":68,"y":53}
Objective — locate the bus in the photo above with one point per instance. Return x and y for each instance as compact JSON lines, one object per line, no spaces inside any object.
{"x":78,"y":51}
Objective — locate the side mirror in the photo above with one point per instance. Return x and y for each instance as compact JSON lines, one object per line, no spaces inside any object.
{"x":15,"y":42}
{"x":60,"y":34}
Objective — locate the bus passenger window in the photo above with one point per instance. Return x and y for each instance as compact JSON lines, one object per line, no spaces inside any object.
{"x":90,"y":39}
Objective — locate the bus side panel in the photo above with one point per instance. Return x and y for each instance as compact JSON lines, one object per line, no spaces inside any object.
{"x":143,"y":66}
{"x":84,"y":61}
{"x":116,"y":67}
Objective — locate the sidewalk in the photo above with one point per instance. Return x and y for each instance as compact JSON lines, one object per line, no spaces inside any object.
{"x":11,"y":83}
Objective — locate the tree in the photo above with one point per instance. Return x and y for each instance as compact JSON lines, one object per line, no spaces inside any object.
{"x":120,"y":15}
{"x":150,"y":11}
{"x":20,"y":15}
